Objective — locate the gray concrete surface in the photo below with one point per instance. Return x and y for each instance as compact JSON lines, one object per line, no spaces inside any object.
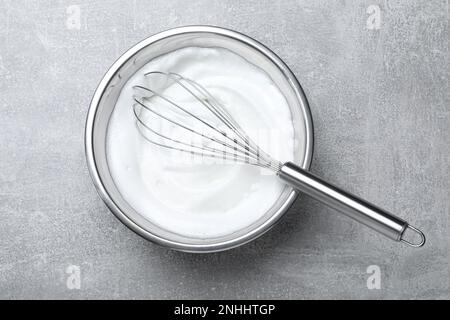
{"x":379,"y":95}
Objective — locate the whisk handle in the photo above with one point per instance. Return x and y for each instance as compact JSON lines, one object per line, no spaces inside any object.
{"x":360,"y":210}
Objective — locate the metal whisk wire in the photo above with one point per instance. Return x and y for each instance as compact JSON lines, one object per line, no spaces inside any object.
{"x":233,"y":144}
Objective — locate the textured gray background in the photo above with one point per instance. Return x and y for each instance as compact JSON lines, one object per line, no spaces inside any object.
{"x":380,"y":103}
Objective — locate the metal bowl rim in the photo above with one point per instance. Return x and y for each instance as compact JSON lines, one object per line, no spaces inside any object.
{"x":89,"y":146}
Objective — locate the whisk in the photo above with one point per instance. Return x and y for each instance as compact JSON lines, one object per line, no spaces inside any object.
{"x":220,"y":136}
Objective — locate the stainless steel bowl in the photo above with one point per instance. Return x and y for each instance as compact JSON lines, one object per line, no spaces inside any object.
{"x":105,"y":98}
